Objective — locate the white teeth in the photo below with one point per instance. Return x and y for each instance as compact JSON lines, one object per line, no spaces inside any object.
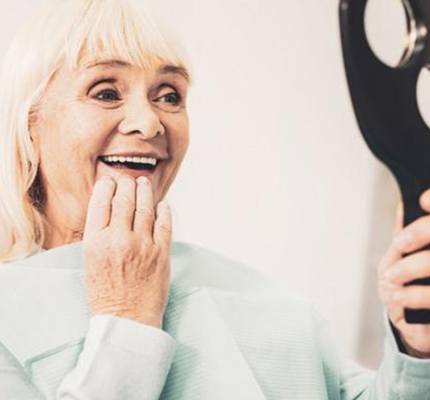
{"x":139,"y":160}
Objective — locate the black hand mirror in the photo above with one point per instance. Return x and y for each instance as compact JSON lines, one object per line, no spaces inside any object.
{"x":386,"y":107}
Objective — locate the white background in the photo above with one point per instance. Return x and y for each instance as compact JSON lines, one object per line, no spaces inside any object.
{"x":277,"y":174}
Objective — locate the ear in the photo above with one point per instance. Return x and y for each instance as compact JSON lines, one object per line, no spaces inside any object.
{"x":35,"y":145}
{"x":32,"y":122}
{"x":33,"y":139}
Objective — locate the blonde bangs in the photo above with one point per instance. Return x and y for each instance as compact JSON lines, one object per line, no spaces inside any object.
{"x":119,"y":30}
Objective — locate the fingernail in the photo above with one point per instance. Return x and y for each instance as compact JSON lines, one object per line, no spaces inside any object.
{"x":142,"y":180}
{"x":105,"y":178}
{"x":163,"y":203}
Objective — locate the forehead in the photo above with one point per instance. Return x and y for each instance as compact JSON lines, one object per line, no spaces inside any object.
{"x":160,"y":69}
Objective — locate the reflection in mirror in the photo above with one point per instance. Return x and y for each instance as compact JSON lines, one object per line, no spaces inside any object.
{"x":390,"y":30}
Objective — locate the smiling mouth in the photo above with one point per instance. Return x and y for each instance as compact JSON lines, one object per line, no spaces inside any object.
{"x":130,"y":165}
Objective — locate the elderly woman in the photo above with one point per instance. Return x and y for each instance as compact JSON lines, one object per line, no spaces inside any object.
{"x":95,"y":300}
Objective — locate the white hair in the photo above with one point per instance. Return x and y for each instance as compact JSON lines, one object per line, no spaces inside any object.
{"x":62,"y":32}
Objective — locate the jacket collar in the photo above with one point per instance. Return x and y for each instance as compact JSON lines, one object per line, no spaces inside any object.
{"x":208,"y":362}
{"x":192,"y":318}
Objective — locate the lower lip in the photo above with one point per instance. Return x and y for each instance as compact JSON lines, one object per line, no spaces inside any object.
{"x":120,"y":171}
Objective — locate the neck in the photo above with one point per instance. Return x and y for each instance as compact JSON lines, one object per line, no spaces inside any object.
{"x":56,"y":237}
{"x":63,"y":224}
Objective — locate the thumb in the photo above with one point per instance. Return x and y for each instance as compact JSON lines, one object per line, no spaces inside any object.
{"x":425,"y":200}
{"x":398,"y":224}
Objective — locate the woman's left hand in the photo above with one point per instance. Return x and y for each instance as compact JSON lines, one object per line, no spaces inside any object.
{"x":395,"y":270}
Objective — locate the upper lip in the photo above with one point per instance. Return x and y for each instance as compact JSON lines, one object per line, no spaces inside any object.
{"x":152,"y":154}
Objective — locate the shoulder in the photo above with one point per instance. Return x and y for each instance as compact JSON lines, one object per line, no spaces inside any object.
{"x":194,"y":265}
{"x":256,"y":309}
{"x":199,"y":266}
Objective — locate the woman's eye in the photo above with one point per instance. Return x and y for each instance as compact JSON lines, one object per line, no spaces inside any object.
{"x":171,"y":100}
{"x":107,"y":95}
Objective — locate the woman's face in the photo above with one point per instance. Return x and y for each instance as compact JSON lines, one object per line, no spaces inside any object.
{"x":111,"y":108}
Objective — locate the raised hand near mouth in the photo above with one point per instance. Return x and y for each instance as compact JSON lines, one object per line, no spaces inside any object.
{"x":126,"y":247}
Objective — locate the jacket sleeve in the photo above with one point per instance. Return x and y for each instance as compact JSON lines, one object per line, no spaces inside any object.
{"x":121,"y":359}
{"x":399,"y":376}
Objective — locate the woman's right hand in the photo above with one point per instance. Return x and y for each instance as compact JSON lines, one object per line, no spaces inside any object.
{"x":127,"y":253}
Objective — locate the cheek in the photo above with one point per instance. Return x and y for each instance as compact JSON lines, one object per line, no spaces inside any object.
{"x":82,"y":133}
{"x":178,"y":139}
{"x":70,"y":145}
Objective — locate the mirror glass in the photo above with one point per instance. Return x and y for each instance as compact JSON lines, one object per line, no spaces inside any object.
{"x":390,"y":30}
{"x":423,"y":98}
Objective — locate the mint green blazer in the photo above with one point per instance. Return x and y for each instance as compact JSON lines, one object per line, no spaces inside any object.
{"x":228,"y":334}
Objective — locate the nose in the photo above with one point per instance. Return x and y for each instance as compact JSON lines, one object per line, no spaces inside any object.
{"x":140,"y":117}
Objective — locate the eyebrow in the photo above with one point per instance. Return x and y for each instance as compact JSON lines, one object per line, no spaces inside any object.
{"x":163,"y":70}
{"x":174,"y":69}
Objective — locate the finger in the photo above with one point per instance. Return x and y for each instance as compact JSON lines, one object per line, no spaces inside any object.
{"x":414,"y":237}
{"x":163,"y":227}
{"x":123,"y":204}
{"x":425,"y":200}
{"x":414,"y":296}
{"x":145,"y":213}
{"x":414,"y":266}
{"x":99,"y":206}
